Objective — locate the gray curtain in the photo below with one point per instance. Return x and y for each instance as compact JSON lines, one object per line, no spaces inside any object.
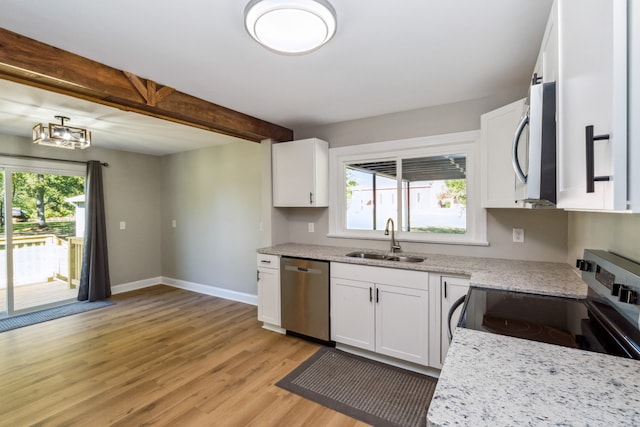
{"x":94,"y":280}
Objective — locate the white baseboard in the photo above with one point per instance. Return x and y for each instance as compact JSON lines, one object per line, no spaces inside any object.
{"x":132,"y":286}
{"x":211,"y":290}
{"x":189,"y":286}
{"x":273,"y":328}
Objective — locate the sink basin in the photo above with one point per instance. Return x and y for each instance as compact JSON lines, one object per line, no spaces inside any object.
{"x":403,"y":258}
{"x":395,"y":258}
{"x":366,"y":255}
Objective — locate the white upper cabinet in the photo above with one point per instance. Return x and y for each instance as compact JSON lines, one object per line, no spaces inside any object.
{"x":546,"y":69}
{"x":592,"y":104}
{"x":497,"y":129}
{"x":634,"y":105}
{"x":301,"y":173}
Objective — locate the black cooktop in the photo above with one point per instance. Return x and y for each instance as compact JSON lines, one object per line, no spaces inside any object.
{"x":577,"y":323}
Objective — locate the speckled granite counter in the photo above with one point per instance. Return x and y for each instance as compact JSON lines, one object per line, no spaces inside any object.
{"x":493,"y":380}
{"x":547,"y":278}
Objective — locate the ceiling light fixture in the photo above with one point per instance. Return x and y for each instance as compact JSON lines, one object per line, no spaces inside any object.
{"x":60,"y":135}
{"x":290,"y":27}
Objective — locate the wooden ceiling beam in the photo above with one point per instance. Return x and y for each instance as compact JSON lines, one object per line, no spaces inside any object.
{"x":37,"y":64}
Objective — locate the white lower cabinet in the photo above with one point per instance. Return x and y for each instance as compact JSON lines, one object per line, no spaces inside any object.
{"x":269,"y":289}
{"x":383,"y":310}
{"x":451,"y":289}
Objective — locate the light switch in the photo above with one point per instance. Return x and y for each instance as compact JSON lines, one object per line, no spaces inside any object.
{"x":173,"y":223}
{"x":123,"y":225}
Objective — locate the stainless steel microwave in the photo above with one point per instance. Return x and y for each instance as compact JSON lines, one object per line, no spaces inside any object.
{"x":533,"y":150}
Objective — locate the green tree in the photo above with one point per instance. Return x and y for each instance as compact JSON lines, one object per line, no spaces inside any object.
{"x":351,"y":183}
{"x":44,"y":194}
{"x":457,"y":188}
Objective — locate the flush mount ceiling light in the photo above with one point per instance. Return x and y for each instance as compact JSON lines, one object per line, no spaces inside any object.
{"x":60,"y":135}
{"x":291,"y":27}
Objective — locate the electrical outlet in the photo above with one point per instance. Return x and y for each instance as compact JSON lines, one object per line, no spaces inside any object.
{"x":123,"y":225}
{"x":518,"y":235}
{"x":311,"y":227}
{"x":174,"y":224}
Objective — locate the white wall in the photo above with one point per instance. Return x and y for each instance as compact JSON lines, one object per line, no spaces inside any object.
{"x":214,"y":194}
{"x":458,"y":117}
{"x":614,"y":232}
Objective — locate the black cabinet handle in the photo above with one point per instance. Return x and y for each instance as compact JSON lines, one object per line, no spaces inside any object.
{"x":445,"y":289}
{"x":370,"y":294}
{"x":590,"y":139}
{"x":310,"y":198}
{"x":377,"y":295}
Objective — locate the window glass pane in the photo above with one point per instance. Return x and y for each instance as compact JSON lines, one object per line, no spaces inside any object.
{"x":387,"y":207}
{"x":359,"y":192}
{"x":371,"y":194}
{"x":435,"y":194}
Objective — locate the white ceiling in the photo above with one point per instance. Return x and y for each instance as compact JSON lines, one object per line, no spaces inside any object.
{"x":387,"y":56}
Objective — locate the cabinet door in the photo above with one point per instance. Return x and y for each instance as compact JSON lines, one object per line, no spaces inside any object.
{"x":300,"y":173}
{"x":546,"y":67}
{"x":452,"y":288}
{"x":402,"y":323}
{"x":499,"y":180}
{"x":592,"y":91}
{"x":352,"y":313}
{"x":269,"y":296}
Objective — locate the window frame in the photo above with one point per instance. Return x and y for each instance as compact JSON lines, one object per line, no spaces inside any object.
{"x":454,"y":143}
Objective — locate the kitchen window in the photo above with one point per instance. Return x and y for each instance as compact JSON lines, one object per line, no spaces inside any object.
{"x":428,"y":186}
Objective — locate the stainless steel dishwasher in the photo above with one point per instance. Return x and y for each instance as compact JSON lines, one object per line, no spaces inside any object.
{"x":305,"y":297}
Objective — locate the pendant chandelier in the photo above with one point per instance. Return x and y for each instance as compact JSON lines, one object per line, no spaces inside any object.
{"x":61,"y":135}
{"x":290,"y":27}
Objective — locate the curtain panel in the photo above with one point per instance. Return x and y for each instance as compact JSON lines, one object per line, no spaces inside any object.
{"x":94,"y":280}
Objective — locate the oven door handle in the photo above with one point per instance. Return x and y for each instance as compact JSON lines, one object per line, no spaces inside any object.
{"x":453,"y":308}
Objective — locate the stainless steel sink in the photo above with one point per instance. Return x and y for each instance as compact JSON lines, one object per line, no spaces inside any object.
{"x":395,"y":258}
{"x":403,"y":258}
{"x":366,"y":255}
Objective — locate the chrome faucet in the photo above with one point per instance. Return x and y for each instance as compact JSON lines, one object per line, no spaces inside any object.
{"x":395,"y":246}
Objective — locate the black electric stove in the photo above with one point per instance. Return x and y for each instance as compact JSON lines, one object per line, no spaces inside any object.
{"x":607,"y":321}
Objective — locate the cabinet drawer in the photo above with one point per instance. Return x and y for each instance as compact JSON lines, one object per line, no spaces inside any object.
{"x":382,"y":275}
{"x":268,"y":261}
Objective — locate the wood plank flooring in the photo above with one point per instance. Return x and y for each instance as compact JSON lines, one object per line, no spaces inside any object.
{"x":160,"y":356}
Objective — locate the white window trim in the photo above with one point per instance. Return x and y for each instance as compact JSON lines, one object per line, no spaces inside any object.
{"x":42,"y":166}
{"x":453,"y":143}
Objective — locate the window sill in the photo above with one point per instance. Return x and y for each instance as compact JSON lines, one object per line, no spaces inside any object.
{"x":403,"y":238}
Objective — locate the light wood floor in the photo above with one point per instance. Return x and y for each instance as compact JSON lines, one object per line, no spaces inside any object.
{"x":160,"y":356}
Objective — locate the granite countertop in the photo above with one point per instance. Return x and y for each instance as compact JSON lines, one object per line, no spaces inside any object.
{"x":546,"y":278}
{"x":494,"y":380}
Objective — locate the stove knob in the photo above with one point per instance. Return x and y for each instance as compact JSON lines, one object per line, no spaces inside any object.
{"x":627,"y":295}
{"x":584,"y":265}
{"x":615,"y":289}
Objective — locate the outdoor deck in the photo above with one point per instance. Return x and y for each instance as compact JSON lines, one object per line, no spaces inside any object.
{"x":38,"y":294}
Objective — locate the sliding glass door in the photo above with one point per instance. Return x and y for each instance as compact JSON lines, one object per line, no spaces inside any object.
{"x":41,"y":236}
